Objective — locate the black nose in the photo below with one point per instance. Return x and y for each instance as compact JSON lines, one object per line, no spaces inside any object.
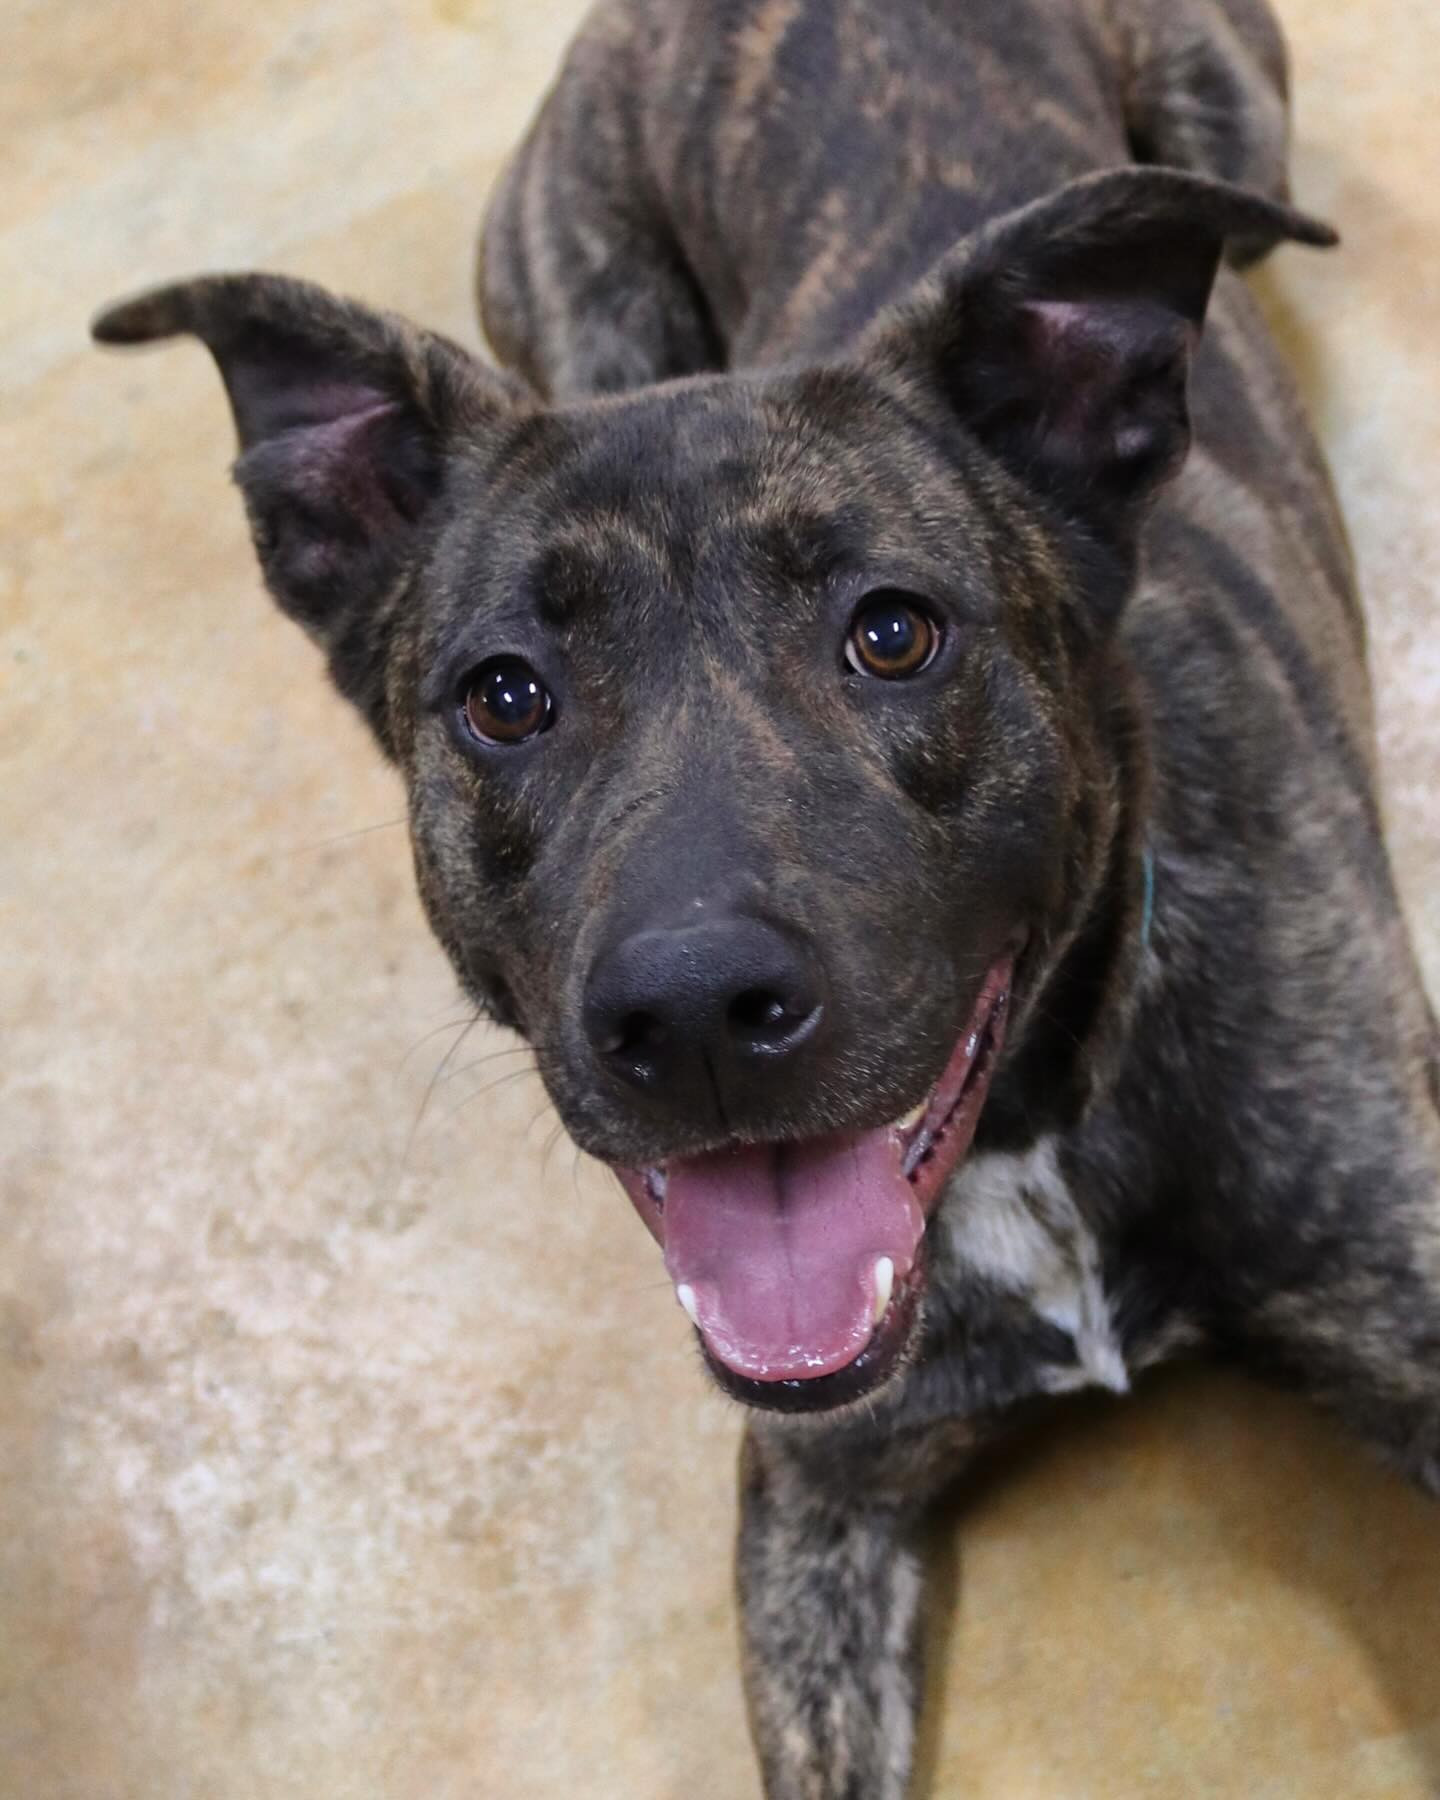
{"x":709,"y":1006}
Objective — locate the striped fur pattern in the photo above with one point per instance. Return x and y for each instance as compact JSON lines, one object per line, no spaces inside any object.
{"x":784,"y":288}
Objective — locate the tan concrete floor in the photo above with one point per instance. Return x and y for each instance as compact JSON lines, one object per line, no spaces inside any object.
{"x":343,"y":1459}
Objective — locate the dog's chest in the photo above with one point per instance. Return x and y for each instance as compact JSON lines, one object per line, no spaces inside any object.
{"x":1012,"y":1223}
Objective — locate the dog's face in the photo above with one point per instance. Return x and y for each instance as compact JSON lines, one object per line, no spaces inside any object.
{"x":739,"y":743}
{"x":754,"y":727}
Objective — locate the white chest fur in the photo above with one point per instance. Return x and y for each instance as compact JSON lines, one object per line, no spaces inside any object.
{"x":1013,"y":1221}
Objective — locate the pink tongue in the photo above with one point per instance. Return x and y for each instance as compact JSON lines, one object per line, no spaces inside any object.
{"x":778,"y":1244}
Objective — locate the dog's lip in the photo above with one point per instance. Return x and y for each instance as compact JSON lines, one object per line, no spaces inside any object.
{"x":960,"y":1091}
{"x":927,"y":1143}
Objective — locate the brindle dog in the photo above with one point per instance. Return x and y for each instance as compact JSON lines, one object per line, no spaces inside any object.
{"x":929,"y":839}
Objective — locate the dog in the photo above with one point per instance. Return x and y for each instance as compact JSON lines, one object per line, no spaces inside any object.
{"x":923,"y":820}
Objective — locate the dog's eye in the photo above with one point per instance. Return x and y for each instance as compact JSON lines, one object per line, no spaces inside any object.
{"x":506,"y":702}
{"x":891,"y":636}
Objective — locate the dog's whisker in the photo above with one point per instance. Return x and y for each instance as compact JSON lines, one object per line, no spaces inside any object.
{"x":481,"y":1062}
{"x":340,"y":837}
{"x":434,"y":1032}
{"x":486,"y":1087}
{"x":1050,"y":1018}
{"x":552,"y":1143}
{"x":537,"y":1116}
{"x":460,"y":1038}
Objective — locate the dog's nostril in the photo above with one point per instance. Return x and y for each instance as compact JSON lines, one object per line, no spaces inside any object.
{"x":761,"y":1014}
{"x":635,"y":1034}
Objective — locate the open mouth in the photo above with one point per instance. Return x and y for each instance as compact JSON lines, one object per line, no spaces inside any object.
{"x":800,"y":1264}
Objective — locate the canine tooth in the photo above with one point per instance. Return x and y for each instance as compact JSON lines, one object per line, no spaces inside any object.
{"x":685,"y":1294}
{"x":884,"y":1285}
{"x":914,"y":1116}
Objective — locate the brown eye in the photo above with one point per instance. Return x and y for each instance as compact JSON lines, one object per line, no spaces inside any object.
{"x":506,"y":702}
{"x":891,"y":637}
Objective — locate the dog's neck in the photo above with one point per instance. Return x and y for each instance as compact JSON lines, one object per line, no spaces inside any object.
{"x":1069,"y":1037}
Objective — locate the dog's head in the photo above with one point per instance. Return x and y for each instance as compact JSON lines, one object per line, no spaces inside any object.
{"x":759,"y":729}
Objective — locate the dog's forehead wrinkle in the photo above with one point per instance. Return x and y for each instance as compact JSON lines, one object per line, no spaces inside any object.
{"x":801,"y":539}
{"x":716,"y":506}
{"x":598,"y":559}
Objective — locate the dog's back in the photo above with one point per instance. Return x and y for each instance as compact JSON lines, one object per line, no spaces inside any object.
{"x":802,"y":162}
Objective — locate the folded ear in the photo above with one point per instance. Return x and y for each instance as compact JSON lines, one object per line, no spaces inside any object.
{"x":1062,"y":334}
{"x":345,"y":419}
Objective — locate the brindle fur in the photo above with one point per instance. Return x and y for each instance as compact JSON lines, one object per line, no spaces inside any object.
{"x":742,"y":199}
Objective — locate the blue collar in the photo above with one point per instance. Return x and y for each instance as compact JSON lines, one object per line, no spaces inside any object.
{"x":1147,"y":915}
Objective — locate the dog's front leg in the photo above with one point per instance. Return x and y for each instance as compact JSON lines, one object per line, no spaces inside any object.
{"x":829,"y":1590}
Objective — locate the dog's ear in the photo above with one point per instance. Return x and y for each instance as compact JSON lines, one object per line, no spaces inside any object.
{"x":1062,"y":334}
{"x":345,"y":418}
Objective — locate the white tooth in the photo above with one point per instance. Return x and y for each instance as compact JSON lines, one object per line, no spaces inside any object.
{"x":884,"y":1285}
{"x":914,"y":1116}
{"x":685,"y":1294}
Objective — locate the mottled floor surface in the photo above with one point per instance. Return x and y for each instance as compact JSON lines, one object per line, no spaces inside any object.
{"x":343,"y":1459}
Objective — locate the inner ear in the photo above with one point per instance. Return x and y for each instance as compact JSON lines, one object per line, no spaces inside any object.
{"x":1111,"y":380}
{"x":332,"y":504}
{"x":347,"y":420}
{"x":370,"y":460}
{"x":1062,"y":334}
{"x":277,"y":382}
{"x":1072,"y":365}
